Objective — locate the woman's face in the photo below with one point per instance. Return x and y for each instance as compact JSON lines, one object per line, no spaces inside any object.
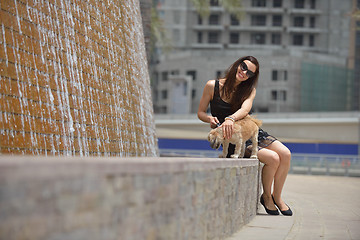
{"x":244,"y":70}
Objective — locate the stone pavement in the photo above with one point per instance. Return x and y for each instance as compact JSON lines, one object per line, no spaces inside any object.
{"x":324,"y":207}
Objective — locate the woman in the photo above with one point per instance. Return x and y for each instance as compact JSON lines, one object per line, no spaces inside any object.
{"x":231,"y":99}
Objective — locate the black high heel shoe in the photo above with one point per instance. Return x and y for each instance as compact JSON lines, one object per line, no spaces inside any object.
{"x":286,"y":212}
{"x":271,"y":212}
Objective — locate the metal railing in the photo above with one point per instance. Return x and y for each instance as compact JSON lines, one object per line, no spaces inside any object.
{"x":311,"y":164}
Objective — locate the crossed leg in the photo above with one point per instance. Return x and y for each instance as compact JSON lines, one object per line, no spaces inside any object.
{"x":276,"y":158}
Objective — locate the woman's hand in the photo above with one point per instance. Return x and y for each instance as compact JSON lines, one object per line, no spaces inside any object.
{"x":228,"y":128}
{"x":214,"y":122}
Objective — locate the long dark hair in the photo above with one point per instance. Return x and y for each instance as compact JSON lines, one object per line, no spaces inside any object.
{"x":244,"y":89}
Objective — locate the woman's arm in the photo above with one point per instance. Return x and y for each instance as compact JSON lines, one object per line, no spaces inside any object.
{"x":228,"y":125}
{"x":204,"y":103}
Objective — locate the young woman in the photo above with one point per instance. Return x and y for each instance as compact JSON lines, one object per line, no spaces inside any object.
{"x":231,"y":99}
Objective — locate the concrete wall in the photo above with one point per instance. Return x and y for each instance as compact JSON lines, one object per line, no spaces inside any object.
{"x":74,"y":79}
{"x":125,"y":198}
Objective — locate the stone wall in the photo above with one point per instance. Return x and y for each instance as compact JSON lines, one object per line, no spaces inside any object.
{"x":74,"y":79}
{"x":137,"y":198}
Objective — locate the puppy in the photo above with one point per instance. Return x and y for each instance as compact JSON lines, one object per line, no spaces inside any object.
{"x":244,"y":129}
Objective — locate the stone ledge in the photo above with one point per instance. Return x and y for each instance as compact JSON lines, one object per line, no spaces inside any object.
{"x":126,"y":198}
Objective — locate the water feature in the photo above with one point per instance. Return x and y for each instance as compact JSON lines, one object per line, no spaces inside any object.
{"x":74,"y":80}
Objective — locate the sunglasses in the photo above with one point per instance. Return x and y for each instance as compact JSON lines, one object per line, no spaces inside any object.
{"x":244,"y":67}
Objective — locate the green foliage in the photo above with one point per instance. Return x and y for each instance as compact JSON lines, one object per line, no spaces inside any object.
{"x":232,"y":6}
{"x":158,"y":34}
{"x":202,"y":7}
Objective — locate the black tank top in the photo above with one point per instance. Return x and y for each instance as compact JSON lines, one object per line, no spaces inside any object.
{"x":219,"y":108}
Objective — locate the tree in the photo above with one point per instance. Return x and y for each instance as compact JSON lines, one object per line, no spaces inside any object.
{"x":232,"y":6}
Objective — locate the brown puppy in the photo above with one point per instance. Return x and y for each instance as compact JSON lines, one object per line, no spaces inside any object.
{"x":244,"y":129}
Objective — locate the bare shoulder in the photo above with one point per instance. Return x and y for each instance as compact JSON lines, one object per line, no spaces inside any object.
{"x":210,"y":85}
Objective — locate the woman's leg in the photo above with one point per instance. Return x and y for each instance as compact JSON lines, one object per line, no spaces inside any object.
{"x":281,"y":172}
{"x":271,"y":160}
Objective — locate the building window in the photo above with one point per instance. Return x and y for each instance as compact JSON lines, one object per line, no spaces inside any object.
{"x":175,"y":72}
{"x":164,"y":94}
{"x":258,"y":3}
{"x":311,"y":41}
{"x":234,"y":38}
{"x":276,"y":39}
{"x":277,"y":3}
{"x":258,"y":20}
{"x":312,"y":4}
{"x":199,"y":37}
{"x":274,"y":95}
{"x":258,"y":38}
{"x":285,"y":75}
{"x":214,"y":19}
{"x":277,"y":20}
{"x":282,"y":95}
{"x":278,"y":95}
{"x":298,"y":40}
{"x":274,"y":75}
{"x":213,"y":37}
{"x":192,"y":73}
{"x":234,"y":21}
{"x":193,"y":93}
{"x":214,"y":2}
{"x":299,"y":3}
{"x":298,"y":21}
{"x":200,"y":21}
{"x":312,"y":22}
{"x":164,"y":76}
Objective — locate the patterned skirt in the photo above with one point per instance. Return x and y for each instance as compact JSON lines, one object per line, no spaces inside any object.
{"x":264,"y":140}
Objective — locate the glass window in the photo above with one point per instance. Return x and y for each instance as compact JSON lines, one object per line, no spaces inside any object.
{"x":214,"y":2}
{"x":311,"y":41}
{"x":258,"y":38}
{"x":299,"y":21}
{"x":234,"y":21}
{"x":273,"y":95}
{"x":193,"y":93}
{"x":234,"y":37}
{"x":298,"y":40}
{"x":164,"y":76}
{"x":258,"y":3}
{"x":285,"y":75}
{"x":213,"y":37}
{"x":199,"y":37}
{"x":312,"y":4}
{"x":312,"y":22}
{"x":164,"y":94}
{"x":277,"y":20}
{"x":274,"y":75}
{"x":192,"y":73}
{"x":214,"y":19}
{"x":258,"y":20}
{"x":276,"y":38}
{"x":299,"y":3}
{"x":199,"y":20}
{"x":283,"y":95}
{"x":277,"y":3}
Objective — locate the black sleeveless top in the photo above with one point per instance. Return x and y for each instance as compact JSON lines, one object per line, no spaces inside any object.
{"x":219,"y":108}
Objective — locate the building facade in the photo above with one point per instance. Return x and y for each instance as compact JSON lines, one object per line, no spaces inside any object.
{"x":285,"y":36}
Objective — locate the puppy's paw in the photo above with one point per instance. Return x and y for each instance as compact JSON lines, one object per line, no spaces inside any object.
{"x":234,"y":156}
{"x":254,"y":156}
{"x":221,"y":156}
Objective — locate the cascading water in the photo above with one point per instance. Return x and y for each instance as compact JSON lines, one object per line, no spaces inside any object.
{"x":74,"y":80}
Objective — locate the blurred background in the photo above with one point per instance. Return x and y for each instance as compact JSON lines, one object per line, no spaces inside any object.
{"x":308,"y":91}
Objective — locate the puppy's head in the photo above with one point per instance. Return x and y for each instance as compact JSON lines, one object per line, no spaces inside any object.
{"x":215,"y":138}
